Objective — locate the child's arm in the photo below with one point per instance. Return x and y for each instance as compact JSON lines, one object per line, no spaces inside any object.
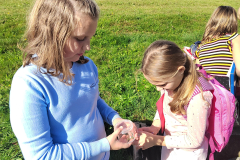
{"x":236,"y":53}
{"x":147,"y":140}
{"x":198,"y":112}
{"x":30,"y":122}
{"x":108,"y":114}
{"x":154,"y":128}
{"x":147,"y":135}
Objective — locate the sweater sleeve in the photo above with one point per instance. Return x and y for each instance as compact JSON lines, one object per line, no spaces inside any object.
{"x":108,"y":114}
{"x":30,"y":123}
{"x":198,"y":112}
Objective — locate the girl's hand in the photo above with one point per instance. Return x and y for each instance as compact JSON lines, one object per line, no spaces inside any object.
{"x":134,"y":130}
{"x":152,"y":129}
{"x":146,"y":140}
{"x":115,"y":144}
{"x":116,"y":120}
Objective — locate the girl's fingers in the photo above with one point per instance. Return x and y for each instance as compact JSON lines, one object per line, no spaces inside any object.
{"x":136,"y":132}
{"x":116,"y":133}
{"x":146,"y":129}
{"x":135,"y":142}
{"x":136,"y":136}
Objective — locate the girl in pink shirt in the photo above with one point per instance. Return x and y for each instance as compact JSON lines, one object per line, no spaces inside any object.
{"x":186,"y":118}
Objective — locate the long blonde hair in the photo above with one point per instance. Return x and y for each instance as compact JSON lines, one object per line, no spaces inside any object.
{"x":161,"y":60}
{"x":223,"y":21}
{"x":50,"y":24}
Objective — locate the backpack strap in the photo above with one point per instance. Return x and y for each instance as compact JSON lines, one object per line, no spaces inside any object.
{"x":204,"y":73}
{"x":160,"y":111}
{"x":211,"y":144}
{"x":206,"y":86}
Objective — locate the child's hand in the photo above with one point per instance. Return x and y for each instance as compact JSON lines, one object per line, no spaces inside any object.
{"x":116,"y":144}
{"x":134,"y":129}
{"x":152,"y":129}
{"x":146,"y":140}
{"x":116,"y":120}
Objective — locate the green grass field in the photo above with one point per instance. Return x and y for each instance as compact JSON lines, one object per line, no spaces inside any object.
{"x":125,"y":29}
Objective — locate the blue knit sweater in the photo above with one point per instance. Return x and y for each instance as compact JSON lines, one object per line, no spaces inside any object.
{"x":52,"y":120}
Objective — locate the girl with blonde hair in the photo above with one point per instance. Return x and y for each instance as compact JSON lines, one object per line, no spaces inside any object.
{"x":56,"y":111}
{"x":167,"y":67}
{"x":220,"y":45}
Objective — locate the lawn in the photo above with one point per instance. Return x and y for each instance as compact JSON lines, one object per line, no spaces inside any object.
{"x":125,"y":29}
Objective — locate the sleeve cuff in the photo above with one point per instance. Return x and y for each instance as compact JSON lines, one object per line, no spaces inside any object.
{"x":112,"y":117}
{"x":168,"y":141}
{"x":93,"y":149}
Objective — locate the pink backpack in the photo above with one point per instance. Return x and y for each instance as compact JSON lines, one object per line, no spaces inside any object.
{"x":221,"y":119}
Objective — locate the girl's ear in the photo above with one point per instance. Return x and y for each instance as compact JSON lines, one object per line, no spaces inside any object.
{"x":181,"y":69}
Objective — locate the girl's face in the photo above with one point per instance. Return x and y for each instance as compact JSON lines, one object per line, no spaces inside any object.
{"x":169,"y":84}
{"x":79,"y":41}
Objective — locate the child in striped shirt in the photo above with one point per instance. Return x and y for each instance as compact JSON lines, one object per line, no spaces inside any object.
{"x":220,"y":46}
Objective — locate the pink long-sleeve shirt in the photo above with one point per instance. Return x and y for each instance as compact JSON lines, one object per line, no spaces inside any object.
{"x":187,"y":131}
